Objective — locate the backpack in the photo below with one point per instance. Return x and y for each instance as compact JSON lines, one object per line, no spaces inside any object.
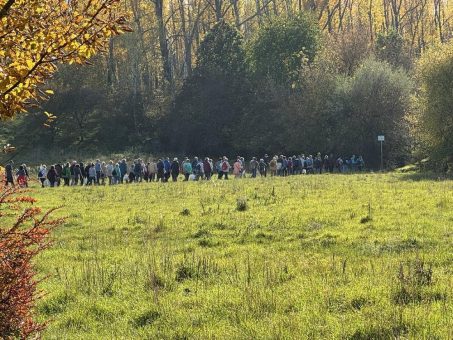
{"x":40,"y":173}
{"x":224,"y":166}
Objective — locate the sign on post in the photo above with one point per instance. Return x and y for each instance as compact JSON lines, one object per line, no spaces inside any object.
{"x":381,"y":139}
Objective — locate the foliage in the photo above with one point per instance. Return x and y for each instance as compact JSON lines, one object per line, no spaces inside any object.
{"x":211,"y":102}
{"x":435,"y":101}
{"x":390,"y":47}
{"x":375,"y":101}
{"x":36,"y":35}
{"x":297,"y":258}
{"x":133,"y":87}
{"x":283,"y":47}
{"x":20,"y":243}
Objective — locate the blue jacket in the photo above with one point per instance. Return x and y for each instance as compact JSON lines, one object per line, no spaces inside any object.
{"x":167,"y":165}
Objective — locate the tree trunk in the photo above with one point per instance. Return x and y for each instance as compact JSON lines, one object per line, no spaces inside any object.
{"x":163,"y":42}
{"x":112,"y":78}
{"x":142,"y":53}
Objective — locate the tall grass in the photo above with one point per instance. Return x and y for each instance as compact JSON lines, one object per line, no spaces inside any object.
{"x":309,"y":257}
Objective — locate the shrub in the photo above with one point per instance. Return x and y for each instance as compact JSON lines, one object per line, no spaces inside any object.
{"x":241,"y":204}
{"x":23,"y":235}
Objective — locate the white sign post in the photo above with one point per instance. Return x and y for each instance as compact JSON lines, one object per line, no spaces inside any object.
{"x":381,"y":139}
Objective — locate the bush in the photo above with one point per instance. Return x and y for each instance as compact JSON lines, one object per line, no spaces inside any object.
{"x":23,"y":235}
{"x":241,"y":204}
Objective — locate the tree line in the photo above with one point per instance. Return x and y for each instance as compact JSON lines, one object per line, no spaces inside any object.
{"x":209,"y":77}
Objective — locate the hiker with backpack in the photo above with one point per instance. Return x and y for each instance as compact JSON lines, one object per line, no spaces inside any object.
{"x":42,"y":174}
{"x":225,"y":168}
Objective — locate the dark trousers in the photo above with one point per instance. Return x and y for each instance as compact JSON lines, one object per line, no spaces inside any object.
{"x":223,"y":174}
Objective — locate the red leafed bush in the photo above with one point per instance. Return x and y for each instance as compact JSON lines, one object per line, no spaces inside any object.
{"x":24,"y":232}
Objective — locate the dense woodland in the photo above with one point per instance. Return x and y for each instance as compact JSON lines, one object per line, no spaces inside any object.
{"x":250,"y":77}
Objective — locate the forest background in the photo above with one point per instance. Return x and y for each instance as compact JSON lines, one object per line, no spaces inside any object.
{"x":252,"y":77}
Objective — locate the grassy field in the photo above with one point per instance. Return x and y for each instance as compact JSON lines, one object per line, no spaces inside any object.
{"x":305,"y":257}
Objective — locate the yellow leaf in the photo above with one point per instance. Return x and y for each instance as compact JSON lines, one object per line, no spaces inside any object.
{"x":49,"y":92}
{"x":30,"y":64}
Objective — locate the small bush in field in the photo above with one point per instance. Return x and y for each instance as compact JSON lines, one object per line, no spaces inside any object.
{"x":23,"y":235}
{"x":241,"y":204}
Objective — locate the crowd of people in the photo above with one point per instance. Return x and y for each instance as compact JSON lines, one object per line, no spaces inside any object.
{"x":112,"y":173}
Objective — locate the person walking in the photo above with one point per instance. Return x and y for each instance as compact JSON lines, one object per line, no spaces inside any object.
{"x":262,"y":168}
{"x":81,"y":170}
{"x":167,"y":169}
{"x":160,"y":170}
{"x":66,"y":174}
{"x":123,"y":168}
{"x":92,"y":173}
{"x":174,"y":169}
{"x":186,"y":169}
{"x":21,"y":177}
{"x":116,"y":174}
{"x":207,"y":168}
{"x":225,"y":166}
{"x":138,"y":170}
{"x":78,"y":175}
{"x":237,"y":168}
{"x":9,"y":173}
{"x":152,"y":169}
{"x":52,"y":176}
{"x":109,"y":171}
{"x":273,"y":166}
{"x":103,"y":173}
{"x":98,"y":168}
{"x":59,"y":171}
{"x":42,"y":174}
{"x":253,"y":167}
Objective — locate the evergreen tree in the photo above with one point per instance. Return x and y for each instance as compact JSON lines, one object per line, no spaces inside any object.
{"x":208,"y":109}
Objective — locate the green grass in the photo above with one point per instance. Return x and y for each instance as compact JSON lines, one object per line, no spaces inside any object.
{"x":305,"y":257}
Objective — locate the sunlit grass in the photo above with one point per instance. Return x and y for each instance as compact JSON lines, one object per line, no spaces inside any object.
{"x":329,"y":256}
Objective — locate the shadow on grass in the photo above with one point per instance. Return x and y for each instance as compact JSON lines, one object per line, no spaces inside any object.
{"x":425,"y":176}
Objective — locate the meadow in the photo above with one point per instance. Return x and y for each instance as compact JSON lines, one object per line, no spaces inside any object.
{"x":366,"y":256}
